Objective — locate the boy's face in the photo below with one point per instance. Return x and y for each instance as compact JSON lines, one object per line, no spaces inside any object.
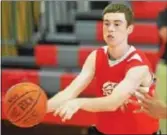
{"x":115,"y":29}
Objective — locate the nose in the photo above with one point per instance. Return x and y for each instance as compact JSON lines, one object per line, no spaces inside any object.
{"x":111,"y":28}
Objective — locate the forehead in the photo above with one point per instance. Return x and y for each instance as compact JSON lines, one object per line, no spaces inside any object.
{"x":114,"y":16}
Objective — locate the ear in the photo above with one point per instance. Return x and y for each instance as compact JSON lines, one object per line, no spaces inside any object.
{"x":130,"y":29}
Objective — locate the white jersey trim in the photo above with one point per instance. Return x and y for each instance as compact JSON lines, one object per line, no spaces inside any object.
{"x":113,"y":63}
{"x":136,"y":57}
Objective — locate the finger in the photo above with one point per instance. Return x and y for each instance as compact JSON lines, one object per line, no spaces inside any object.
{"x":67,"y":116}
{"x":146,"y":98}
{"x":122,"y":108}
{"x":126,"y":102}
{"x":146,"y":111}
{"x":133,"y":102}
{"x":138,"y":110}
{"x":142,"y":110}
{"x":50,"y":107}
{"x":132,"y":94}
{"x":139,"y":95}
{"x":63,"y":112}
{"x":155,"y":94}
{"x":58,"y":110}
{"x":144,"y":105}
{"x":138,"y":103}
{"x":55,"y":114}
{"x":143,"y":90}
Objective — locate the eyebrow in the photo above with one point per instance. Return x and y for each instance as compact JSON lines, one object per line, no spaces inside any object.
{"x":106,"y":20}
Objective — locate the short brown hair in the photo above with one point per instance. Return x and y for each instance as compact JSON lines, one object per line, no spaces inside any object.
{"x":120,"y":8}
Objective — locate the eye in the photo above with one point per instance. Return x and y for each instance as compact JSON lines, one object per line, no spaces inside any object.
{"x":106,"y":24}
{"x":117,"y":24}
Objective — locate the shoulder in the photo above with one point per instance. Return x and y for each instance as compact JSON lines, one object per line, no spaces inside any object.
{"x":137,"y":72}
{"x":92,"y":55}
{"x":138,"y":55}
{"x":134,"y":55}
{"x":95,"y":52}
{"x":100,"y":50}
{"x":138,"y":59}
{"x":138,"y":69}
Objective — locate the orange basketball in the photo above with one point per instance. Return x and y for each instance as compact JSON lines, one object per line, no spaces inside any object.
{"x":25,"y":104}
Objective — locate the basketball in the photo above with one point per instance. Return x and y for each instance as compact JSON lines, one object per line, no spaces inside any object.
{"x":25,"y":104}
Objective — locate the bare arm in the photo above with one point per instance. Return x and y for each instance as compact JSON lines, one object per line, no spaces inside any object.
{"x":151,"y":105}
{"x":120,"y":94}
{"x":77,"y":85}
{"x":163,"y":33}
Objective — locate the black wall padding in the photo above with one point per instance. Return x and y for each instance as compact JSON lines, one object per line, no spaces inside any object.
{"x":53,"y":42}
{"x":25,"y":50}
{"x":94,"y":15}
{"x":98,"y":5}
{"x":65,"y":28}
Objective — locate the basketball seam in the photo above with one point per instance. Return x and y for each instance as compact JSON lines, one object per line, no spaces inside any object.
{"x":10,"y":107}
{"x":29,"y":109}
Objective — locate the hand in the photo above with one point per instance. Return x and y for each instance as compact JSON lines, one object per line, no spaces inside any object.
{"x":124,"y":106}
{"x":150,"y":105}
{"x":57,"y":100}
{"x":53,"y":104}
{"x":68,"y":109}
{"x":163,"y":34}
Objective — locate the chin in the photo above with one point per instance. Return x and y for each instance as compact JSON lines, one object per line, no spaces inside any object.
{"x":111,"y":44}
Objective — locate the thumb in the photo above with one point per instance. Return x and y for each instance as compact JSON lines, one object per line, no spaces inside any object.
{"x":122,"y":108}
{"x":50,"y":107}
{"x":143,"y":90}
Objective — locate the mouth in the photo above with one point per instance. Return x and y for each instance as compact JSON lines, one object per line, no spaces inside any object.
{"x":110,"y":37}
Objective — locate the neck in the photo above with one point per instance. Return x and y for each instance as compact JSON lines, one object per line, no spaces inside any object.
{"x":117,"y":52}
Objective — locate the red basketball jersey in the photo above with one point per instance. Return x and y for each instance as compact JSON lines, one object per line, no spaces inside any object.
{"x":119,"y":122}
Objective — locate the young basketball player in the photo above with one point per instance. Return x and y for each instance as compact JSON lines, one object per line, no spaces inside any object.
{"x":119,"y":69}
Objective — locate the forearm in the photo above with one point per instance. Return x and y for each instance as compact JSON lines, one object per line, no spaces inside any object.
{"x":75,"y":87}
{"x":163,"y":34}
{"x":164,"y":112}
{"x":71,"y":91}
{"x":62,"y":96}
{"x":101,"y":104}
{"x":112,"y":102}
